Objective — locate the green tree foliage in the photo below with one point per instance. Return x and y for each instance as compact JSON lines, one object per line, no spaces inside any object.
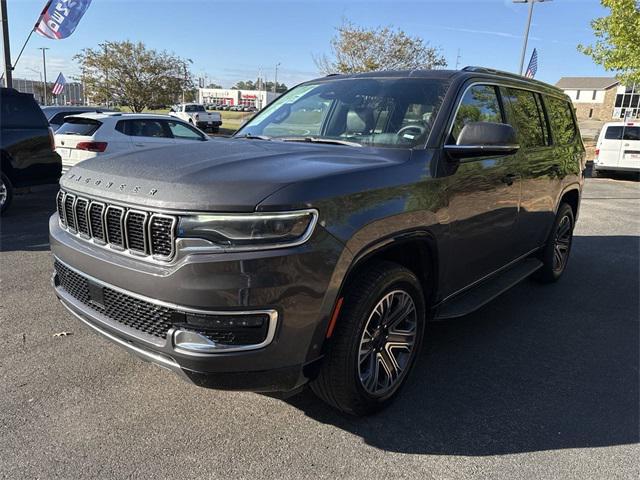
{"x":357,"y":49}
{"x":127,"y":73}
{"x":259,"y":85}
{"x":617,"y":47}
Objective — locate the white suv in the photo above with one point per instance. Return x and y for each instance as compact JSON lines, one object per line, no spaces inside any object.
{"x":618,"y":148}
{"x":92,"y":134}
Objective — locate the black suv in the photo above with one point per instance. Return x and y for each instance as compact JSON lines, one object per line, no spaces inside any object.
{"x":26,"y":145}
{"x":315,"y":244}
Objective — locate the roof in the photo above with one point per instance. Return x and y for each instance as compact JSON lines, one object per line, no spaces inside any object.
{"x":587,"y":83}
{"x":105,"y":115}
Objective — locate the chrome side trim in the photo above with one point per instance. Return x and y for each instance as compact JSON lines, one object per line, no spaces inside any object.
{"x":169,"y":345}
{"x":506,"y":148}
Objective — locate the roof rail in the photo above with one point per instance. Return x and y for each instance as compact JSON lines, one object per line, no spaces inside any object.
{"x":493,"y":71}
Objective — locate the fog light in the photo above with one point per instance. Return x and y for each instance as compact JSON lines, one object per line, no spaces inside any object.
{"x":211,"y":333}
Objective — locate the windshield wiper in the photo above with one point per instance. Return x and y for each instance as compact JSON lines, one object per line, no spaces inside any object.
{"x":320,"y":140}
{"x":254,"y":137}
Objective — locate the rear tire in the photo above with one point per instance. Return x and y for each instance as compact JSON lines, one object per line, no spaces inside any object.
{"x":376,"y":340}
{"x":555,"y":254}
{"x":6,"y":193}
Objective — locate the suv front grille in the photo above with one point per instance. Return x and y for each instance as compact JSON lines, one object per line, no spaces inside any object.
{"x":136,"y":231}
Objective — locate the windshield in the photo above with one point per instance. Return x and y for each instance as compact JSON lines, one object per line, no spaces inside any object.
{"x":367,"y":111}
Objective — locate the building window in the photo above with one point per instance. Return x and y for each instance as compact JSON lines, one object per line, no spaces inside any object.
{"x":595,"y":92}
{"x":577,"y":94}
{"x":590,"y":112}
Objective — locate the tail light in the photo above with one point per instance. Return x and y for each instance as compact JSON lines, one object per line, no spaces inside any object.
{"x":52,"y":140}
{"x":597,"y":152}
{"x":92,"y":146}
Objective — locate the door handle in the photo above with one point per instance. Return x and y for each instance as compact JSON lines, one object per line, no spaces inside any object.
{"x":139,"y":144}
{"x":508,"y":179}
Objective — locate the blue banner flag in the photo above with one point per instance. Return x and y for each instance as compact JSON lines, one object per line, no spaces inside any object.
{"x":59,"y":18}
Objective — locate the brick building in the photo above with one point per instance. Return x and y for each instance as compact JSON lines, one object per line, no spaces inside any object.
{"x":601,"y":98}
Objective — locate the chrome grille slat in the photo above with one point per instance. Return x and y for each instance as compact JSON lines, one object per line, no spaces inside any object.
{"x":81,"y":211}
{"x":128,"y":230}
{"x":60,"y":206}
{"x":113,"y":221}
{"x":69,"y":214}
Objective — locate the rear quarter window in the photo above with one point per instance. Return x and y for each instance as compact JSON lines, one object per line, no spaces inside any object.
{"x":79,"y":126}
{"x":21,"y":111}
{"x":561,"y":119}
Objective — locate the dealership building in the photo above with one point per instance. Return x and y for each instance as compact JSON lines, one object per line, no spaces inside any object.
{"x":232,"y":96}
{"x":602,"y":98}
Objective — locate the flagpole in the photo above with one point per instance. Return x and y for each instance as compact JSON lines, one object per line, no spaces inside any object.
{"x":5,"y":43}
{"x":44,"y":65}
{"x":526,"y":35}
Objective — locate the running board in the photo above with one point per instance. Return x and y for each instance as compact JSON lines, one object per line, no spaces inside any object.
{"x":474,"y":298}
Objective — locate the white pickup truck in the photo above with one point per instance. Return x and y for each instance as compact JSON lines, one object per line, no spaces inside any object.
{"x":197,"y":115}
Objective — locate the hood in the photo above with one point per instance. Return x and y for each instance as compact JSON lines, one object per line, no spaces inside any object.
{"x":231,"y":175}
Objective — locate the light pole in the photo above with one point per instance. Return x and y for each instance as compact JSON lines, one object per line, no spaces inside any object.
{"x":44,"y":68}
{"x":275,"y":83}
{"x":5,"y":44}
{"x":526,"y":31}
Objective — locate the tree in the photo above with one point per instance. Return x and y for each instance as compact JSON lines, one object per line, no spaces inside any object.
{"x":259,"y":85}
{"x":214,"y":85}
{"x":127,"y":73}
{"x":356,"y":49}
{"x":617,"y":46}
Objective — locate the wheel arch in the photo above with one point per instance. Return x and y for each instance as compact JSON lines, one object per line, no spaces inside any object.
{"x":571,"y":195}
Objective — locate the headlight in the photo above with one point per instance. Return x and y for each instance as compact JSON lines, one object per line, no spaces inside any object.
{"x":250,"y":231}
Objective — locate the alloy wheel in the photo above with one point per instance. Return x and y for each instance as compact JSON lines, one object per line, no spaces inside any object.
{"x":562,"y":244}
{"x":387,"y":343}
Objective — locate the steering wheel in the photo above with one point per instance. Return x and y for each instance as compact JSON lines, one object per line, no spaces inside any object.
{"x":420,"y":129}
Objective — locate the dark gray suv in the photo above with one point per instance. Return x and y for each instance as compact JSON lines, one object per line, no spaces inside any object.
{"x":315,"y":244}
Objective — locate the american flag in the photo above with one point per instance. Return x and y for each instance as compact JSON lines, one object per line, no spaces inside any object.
{"x":533,"y":65}
{"x":58,"y":87}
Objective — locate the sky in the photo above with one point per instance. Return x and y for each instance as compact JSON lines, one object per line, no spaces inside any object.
{"x":234,"y":40}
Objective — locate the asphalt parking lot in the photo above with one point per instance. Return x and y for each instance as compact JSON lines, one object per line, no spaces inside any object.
{"x":541,"y":383}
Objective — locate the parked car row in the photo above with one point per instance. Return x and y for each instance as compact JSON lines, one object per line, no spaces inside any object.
{"x":231,"y":108}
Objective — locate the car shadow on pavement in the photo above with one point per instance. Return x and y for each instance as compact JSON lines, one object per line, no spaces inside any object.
{"x":25,"y":226}
{"x":543,"y":367}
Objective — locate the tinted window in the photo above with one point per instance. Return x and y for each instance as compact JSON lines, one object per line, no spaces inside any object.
{"x":526,"y":117}
{"x":368,"y":111}
{"x":615,"y":133}
{"x":21,"y":111}
{"x":143,"y":128}
{"x":194,"y":108}
{"x":479,"y":104}
{"x":180,"y":130}
{"x":561,"y":118}
{"x":79,"y":126}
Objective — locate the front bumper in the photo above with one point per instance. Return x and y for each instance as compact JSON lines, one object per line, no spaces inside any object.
{"x":295,"y":284}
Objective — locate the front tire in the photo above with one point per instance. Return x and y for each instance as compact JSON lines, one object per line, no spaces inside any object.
{"x":375,"y":342}
{"x":6,"y":193}
{"x":555,"y":254}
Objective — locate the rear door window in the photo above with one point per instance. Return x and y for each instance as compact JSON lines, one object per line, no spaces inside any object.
{"x":616,"y":133}
{"x":561,"y":118}
{"x":143,"y":128}
{"x":21,"y":111}
{"x":526,"y":117}
{"x":479,"y":104}
{"x":79,"y":126}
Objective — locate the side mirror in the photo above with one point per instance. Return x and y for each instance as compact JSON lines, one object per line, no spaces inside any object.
{"x":483,"y":139}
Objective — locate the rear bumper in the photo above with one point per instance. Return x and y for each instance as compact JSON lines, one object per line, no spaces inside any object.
{"x":616,"y":168}
{"x":205,"y":125}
